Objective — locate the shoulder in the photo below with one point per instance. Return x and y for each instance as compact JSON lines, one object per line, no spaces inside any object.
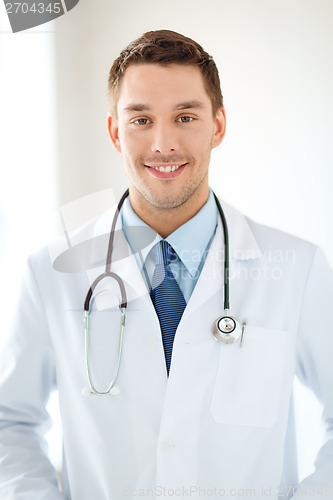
{"x":271,"y":242}
{"x":74,"y":251}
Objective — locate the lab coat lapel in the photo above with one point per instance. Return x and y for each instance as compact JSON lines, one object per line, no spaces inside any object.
{"x":123,"y":260}
{"x":242,"y":247}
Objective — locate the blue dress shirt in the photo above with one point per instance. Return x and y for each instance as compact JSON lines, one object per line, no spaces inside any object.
{"x":191,"y":241}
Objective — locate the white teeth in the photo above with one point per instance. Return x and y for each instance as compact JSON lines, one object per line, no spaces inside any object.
{"x":167,"y":169}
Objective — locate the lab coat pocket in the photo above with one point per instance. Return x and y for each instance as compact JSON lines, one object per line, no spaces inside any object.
{"x":250,"y":378}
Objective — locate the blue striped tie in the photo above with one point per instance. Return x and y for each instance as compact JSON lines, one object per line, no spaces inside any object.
{"x":167,"y":297}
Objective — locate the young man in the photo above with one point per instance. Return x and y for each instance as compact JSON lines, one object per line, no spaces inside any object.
{"x":186,"y":416}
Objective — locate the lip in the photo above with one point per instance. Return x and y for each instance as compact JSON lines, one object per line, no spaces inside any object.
{"x":165,"y":175}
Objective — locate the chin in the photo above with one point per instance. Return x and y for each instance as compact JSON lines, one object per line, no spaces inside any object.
{"x":168,"y":202}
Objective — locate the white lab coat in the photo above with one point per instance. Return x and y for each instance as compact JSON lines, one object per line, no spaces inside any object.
{"x":221,"y":425}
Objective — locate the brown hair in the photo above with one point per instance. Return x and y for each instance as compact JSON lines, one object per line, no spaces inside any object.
{"x":166,"y":47}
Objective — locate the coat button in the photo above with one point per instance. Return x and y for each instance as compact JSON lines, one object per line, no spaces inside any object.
{"x":167,"y":445}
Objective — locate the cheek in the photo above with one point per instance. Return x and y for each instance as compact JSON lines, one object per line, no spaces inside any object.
{"x":131,"y":144}
{"x":200,"y":145}
{"x":199,"y":138}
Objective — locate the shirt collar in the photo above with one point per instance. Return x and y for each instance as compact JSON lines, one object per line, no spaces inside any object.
{"x":133,"y":227}
{"x":189,"y":241}
{"x":86,"y":247}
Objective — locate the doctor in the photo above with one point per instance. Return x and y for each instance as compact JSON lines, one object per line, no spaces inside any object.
{"x":188,"y":417}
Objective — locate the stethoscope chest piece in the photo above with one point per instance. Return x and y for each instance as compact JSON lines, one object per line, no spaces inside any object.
{"x":227,"y":329}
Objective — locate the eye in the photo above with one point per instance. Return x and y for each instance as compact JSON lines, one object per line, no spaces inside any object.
{"x":142,"y":121}
{"x":185,"y":119}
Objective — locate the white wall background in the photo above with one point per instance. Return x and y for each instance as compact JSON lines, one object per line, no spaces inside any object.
{"x":28,"y":190}
{"x":276,"y":66}
{"x":28,"y":186}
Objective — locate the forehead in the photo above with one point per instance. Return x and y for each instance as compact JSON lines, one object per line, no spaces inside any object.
{"x":157,"y":85}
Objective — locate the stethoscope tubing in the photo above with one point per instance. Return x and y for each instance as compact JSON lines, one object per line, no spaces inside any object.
{"x":226,"y":253}
{"x":123,"y":305}
{"x":93,"y":388}
{"x":107,"y":273}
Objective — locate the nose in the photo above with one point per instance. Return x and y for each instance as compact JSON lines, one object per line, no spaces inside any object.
{"x":164,"y":139}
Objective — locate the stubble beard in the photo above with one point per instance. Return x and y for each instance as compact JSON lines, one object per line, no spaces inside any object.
{"x":169,"y":202}
{"x":172,"y":200}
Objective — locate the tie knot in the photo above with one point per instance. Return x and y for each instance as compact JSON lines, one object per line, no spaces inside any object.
{"x":165,"y":253}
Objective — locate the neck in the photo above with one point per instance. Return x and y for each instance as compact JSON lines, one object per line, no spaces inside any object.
{"x":166,"y":220}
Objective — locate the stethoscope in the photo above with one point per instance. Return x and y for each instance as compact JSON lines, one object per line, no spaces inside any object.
{"x":226,"y":328}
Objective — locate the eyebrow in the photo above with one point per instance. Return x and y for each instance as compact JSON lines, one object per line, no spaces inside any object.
{"x":194,"y":104}
{"x":137,"y":107}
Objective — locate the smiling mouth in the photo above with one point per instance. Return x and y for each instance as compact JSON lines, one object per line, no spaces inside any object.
{"x":166,"y":168}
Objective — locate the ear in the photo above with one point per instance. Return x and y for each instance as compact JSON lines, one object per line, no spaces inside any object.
{"x":219,"y":127}
{"x":113,"y":130}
